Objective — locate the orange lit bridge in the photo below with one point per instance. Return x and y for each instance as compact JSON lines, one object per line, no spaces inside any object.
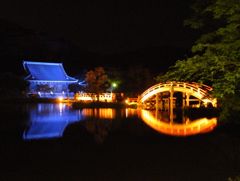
{"x":176,"y":94}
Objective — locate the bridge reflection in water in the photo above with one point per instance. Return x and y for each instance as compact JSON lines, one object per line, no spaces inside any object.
{"x":187,"y":128}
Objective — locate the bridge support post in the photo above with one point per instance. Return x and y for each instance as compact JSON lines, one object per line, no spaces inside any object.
{"x":161,"y":102}
{"x":171,"y":98}
{"x":171,"y":102}
{"x":157,"y":102}
{"x":166,"y":104}
{"x":183,"y":100}
{"x":187,"y":100}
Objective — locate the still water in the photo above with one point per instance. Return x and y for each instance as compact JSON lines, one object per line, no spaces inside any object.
{"x":47,"y":121}
{"x":57,"y":142}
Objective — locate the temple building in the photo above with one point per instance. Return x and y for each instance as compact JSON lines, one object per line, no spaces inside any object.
{"x":48,"y":80}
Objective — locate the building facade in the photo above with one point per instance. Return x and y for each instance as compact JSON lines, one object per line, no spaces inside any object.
{"x":48,"y":80}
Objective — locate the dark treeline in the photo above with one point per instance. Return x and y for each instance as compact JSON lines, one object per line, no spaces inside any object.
{"x":132,"y":80}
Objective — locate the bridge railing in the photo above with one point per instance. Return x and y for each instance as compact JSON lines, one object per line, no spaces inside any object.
{"x":194,"y":87}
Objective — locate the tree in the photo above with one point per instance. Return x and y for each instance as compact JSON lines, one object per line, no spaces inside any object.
{"x":136,"y":80}
{"x":115,"y":78}
{"x":97,"y":81}
{"x":216,"y":54}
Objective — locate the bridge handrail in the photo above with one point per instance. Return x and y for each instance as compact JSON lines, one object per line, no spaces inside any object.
{"x":201,"y":89}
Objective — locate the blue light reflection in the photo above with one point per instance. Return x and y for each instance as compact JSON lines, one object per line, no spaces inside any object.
{"x":49,"y":120}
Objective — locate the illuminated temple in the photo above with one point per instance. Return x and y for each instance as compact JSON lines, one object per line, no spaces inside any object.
{"x":48,"y":80}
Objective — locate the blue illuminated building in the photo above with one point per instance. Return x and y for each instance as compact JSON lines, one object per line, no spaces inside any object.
{"x":48,"y":80}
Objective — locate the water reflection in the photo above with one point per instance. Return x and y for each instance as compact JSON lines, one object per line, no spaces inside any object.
{"x":49,"y":120}
{"x":169,"y":127}
{"x":130,"y":112}
{"x":102,"y":113}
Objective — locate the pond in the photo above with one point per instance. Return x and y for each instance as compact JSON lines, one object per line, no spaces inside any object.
{"x":56,"y":142}
{"x":50,"y":121}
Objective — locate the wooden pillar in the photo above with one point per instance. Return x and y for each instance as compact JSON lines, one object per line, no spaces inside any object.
{"x":171,"y":103}
{"x":183,"y":100}
{"x":171,"y":98}
{"x":187,"y":100}
{"x":157,"y":102}
{"x":166,"y":104}
{"x":156,"y":113}
{"x":171,"y":116}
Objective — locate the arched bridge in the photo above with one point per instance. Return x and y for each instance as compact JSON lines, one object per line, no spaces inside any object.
{"x":198,"y":91}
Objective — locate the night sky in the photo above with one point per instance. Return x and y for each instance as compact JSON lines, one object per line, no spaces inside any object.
{"x":99,"y":31}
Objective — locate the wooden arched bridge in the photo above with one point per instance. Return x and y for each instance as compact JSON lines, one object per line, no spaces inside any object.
{"x":164,"y":95}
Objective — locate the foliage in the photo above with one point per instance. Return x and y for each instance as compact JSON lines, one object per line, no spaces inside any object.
{"x":237,"y":178}
{"x":136,"y":80}
{"x":216,"y":59}
{"x":132,"y":80}
{"x":97,"y":81}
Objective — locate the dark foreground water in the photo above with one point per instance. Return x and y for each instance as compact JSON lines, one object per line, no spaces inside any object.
{"x":55,"y":142}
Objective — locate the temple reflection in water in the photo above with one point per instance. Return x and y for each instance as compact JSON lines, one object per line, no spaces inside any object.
{"x":49,"y":120}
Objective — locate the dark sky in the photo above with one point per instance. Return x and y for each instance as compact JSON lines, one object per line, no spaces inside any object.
{"x":106,"y":26}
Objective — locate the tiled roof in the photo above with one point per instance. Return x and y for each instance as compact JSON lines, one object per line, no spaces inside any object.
{"x":46,"y":71}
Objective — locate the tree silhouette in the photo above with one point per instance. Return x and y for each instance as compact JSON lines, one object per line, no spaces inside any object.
{"x":97,"y":81}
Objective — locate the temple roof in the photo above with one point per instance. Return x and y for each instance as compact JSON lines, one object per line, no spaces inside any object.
{"x":43,"y":71}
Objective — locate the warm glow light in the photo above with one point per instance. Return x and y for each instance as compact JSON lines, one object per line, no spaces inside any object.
{"x":84,"y":98}
{"x":131,"y":101}
{"x":104,"y":97}
{"x":202,"y":125}
{"x":60,"y":99}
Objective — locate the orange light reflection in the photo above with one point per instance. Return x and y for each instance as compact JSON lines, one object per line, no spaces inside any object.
{"x":129,"y":112}
{"x":102,"y":113}
{"x":198,"y":126}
